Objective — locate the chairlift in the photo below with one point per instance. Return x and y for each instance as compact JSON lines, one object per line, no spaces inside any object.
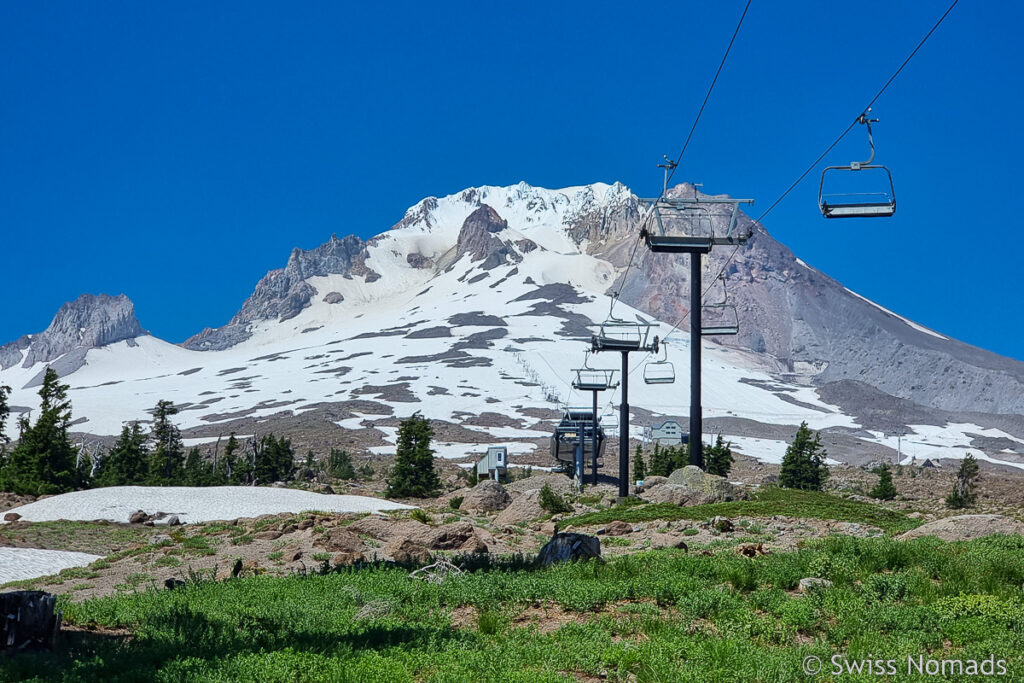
{"x":660,"y":371}
{"x":879,"y":204}
{"x":615,"y":334}
{"x":668,"y":235}
{"x":593,"y":379}
{"x":720,"y":318}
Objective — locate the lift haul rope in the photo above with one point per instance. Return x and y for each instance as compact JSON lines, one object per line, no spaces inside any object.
{"x":818,"y":160}
{"x":673,"y":165}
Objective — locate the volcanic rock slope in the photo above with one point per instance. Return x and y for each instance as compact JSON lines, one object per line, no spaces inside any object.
{"x":481,"y":303}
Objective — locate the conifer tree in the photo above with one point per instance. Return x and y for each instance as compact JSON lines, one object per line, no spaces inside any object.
{"x":274,"y":459}
{"x":127,"y":463}
{"x":963,"y":494}
{"x":885,"y":489}
{"x":166,"y":467}
{"x":236,"y":467}
{"x":639,"y":468}
{"x":44,"y":461}
{"x":803,"y":465}
{"x":198,"y":472}
{"x":339,"y":464}
{"x":413,"y":475}
{"x":719,"y":458}
{"x":661,"y":462}
{"x":5,"y":411}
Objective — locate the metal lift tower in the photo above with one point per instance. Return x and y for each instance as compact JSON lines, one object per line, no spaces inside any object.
{"x":672,"y":237}
{"x":624,"y":337}
{"x":594,"y":381}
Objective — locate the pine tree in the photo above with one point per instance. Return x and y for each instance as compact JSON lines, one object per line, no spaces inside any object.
{"x":719,"y":458}
{"x":197,"y":471}
{"x":660,"y":463}
{"x":237,"y":468}
{"x":339,"y":464}
{"x":274,"y":459}
{"x":803,"y":466}
{"x":885,"y":489}
{"x":639,"y":469}
{"x":127,"y":463}
{"x":44,"y":461}
{"x":963,"y":494}
{"x":166,"y":466}
{"x":5,"y":411}
{"x":413,"y":475}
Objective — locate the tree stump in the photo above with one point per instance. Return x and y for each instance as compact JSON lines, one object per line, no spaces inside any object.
{"x":28,"y":620}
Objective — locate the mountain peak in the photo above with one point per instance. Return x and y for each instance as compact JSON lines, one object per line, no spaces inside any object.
{"x":88,"y":322}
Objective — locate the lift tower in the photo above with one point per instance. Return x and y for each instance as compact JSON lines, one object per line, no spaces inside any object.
{"x":674,"y":233}
{"x":624,"y":337}
{"x":593,"y":380}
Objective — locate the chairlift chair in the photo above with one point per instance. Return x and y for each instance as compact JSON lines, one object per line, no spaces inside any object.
{"x":660,"y":371}
{"x":674,"y":211}
{"x":720,"y":318}
{"x":879,"y":204}
{"x":621,"y":335}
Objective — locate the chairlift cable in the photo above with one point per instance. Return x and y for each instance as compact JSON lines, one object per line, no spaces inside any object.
{"x":810,"y":168}
{"x":721,"y":65}
{"x":674,"y":165}
{"x":858,"y":118}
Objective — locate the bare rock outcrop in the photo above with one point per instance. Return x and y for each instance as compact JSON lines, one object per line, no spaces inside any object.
{"x":565,"y":547}
{"x":690,"y":485}
{"x":967,"y":527}
{"x":88,"y":322}
{"x":523,"y":509}
{"x":487,"y":496}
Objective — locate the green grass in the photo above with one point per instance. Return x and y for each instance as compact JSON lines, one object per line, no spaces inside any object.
{"x":765,"y":503}
{"x":657,"y":616}
{"x":98,"y":538}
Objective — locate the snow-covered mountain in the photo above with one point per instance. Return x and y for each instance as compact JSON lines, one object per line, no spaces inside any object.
{"x":474,"y":308}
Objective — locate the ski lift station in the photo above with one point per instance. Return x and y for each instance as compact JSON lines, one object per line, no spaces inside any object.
{"x":494,"y":465}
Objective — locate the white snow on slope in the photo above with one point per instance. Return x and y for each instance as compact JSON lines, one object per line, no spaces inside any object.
{"x":193,"y":504}
{"x":340,"y":352}
{"x":18,"y":564}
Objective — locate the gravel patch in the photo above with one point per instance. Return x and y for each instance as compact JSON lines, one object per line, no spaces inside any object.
{"x":18,"y":564}
{"x":193,"y":504}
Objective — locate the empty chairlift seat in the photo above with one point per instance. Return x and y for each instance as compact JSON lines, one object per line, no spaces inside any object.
{"x":868,"y":193}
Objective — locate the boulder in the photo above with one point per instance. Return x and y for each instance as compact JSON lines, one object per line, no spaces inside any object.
{"x":407,"y":551}
{"x":618,"y":528}
{"x":690,"y":485}
{"x":293,"y":556}
{"x":138,"y":517}
{"x":564,"y":547}
{"x":268,"y":535}
{"x":339,"y":539}
{"x":460,"y":536}
{"x":722,"y":524}
{"x":383,"y":528}
{"x":487,"y":496}
{"x":525,"y":508}
{"x":812,"y":583}
{"x":662,"y":540}
{"x":12,"y":517}
{"x":344,"y":559}
{"x":966,"y":527}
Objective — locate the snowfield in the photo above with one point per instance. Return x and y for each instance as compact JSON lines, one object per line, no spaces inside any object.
{"x":192,"y":504}
{"x":18,"y":564}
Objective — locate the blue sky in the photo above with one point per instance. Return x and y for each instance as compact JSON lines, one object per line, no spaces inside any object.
{"x":175,"y":152}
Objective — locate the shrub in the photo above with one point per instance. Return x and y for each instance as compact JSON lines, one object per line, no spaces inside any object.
{"x":419,"y":515}
{"x":456,"y":502}
{"x":552,"y":502}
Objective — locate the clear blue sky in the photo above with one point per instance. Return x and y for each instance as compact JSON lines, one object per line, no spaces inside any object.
{"x":175,"y":152}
